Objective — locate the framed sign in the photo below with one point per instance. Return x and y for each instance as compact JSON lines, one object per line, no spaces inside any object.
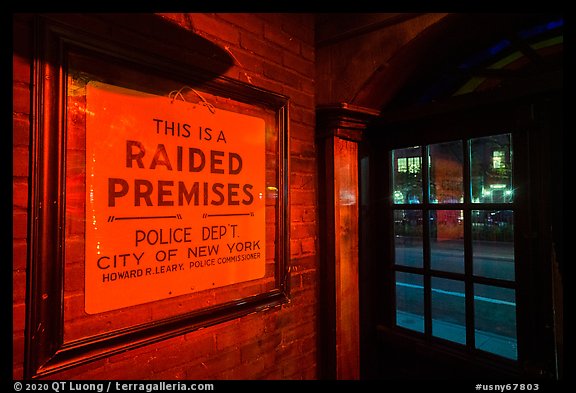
{"x":167,"y":205}
{"x":175,"y":198}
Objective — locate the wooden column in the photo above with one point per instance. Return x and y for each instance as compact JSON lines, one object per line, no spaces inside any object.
{"x":339,"y":131}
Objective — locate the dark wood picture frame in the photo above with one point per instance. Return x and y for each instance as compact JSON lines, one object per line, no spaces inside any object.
{"x":114,"y":37}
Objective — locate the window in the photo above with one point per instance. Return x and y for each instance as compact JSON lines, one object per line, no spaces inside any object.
{"x":454,"y":261}
{"x":497,"y":159}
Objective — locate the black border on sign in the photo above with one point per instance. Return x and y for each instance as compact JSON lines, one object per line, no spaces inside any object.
{"x":46,"y":352}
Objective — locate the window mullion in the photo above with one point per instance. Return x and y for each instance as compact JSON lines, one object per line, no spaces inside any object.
{"x":426,"y":240}
{"x":468,"y":263}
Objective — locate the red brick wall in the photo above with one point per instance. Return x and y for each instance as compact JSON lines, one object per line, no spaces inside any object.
{"x":273,"y":51}
{"x":22,"y":61}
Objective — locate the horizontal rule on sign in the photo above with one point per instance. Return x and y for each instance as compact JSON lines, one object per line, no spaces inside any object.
{"x":174,"y":198}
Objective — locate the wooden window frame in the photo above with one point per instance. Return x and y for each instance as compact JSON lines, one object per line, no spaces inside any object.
{"x":466,"y":277}
{"x":416,"y":128}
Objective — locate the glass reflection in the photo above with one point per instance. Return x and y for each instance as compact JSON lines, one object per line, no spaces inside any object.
{"x":446,"y":169}
{"x":407,"y":175}
{"x":448,"y":310}
{"x":491,"y":169}
{"x":410,"y":301}
{"x":495,"y":320}
{"x":447,"y":240}
{"x":408,"y":249}
{"x":493,"y":243}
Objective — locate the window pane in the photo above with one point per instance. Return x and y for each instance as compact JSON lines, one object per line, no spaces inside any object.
{"x":407,"y":175}
{"x":447,"y":240}
{"x":495,"y":320}
{"x":446,"y":181}
{"x":448,"y":310}
{"x":410,"y":301}
{"x":491,"y":169}
{"x":493,"y":243}
{"x":408,"y":238}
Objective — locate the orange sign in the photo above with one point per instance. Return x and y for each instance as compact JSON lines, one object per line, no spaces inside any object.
{"x":174,"y":198}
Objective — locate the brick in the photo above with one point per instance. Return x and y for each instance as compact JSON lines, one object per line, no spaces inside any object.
{"x":309,"y":279}
{"x":270,"y":232}
{"x":294,"y":333}
{"x":19,"y":224}
{"x":20,"y":98}
{"x":310,"y":373}
{"x":308,"y":86}
{"x":281,"y":74}
{"x":187,"y":352}
{"x":213,"y":366}
{"x":18,"y":319}
{"x":73,"y":304}
{"x":295,"y":247}
{"x":266,"y":344}
{"x":281,"y":38}
{"x":239,"y":291}
{"x":20,"y":193}
{"x":17,"y":372}
{"x":246,"y":60}
{"x":308,"y":246}
{"x":20,"y":130}
{"x":304,"y":295}
{"x":285,"y":318}
{"x":303,"y":214}
{"x":242,"y":333}
{"x":304,"y":149}
{"x":74,"y":278}
{"x":262,"y":49}
{"x":20,"y":161}
{"x":299,"y":181}
{"x":179,"y":373}
{"x":302,"y":230}
{"x":305,"y":262}
{"x":307,"y":52}
{"x":21,"y":68}
{"x":309,"y":344}
{"x":18,"y":350}
{"x":267,"y":84}
{"x":209,"y":25}
{"x":246,"y":22}
{"x":299,"y":27}
{"x":303,"y":165}
{"x":273,"y":374}
{"x":291,"y":370}
{"x":75,"y":202}
{"x":256,"y":368}
{"x":298,"y":64}
{"x":285,"y":352}
{"x":19,"y":254}
{"x":19,"y":287}
{"x":74,"y":249}
{"x":299,"y":97}
{"x":301,"y":132}
{"x":305,"y":116}
{"x":298,"y":197}
{"x":178,"y":305}
{"x":76,"y":128}
{"x":298,"y":368}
